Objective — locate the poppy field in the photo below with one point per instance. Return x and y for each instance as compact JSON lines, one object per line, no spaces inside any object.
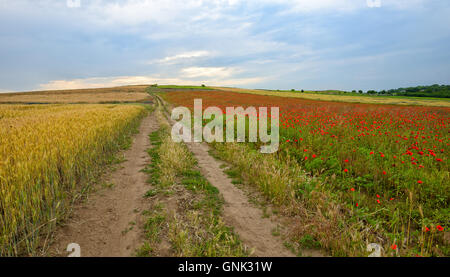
{"x":385,"y":166}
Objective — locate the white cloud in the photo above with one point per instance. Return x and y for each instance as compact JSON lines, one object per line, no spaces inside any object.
{"x":373,"y":3}
{"x":142,"y":80}
{"x":73,"y":3}
{"x":182,"y":12}
{"x":75,"y":84}
{"x":238,"y":34}
{"x":217,"y":72}
{"x":135,"y":12}
{"x":183,"y":56}
{"x":319,"y":6}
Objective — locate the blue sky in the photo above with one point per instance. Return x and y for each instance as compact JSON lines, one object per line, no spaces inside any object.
{"x":278,"y":44}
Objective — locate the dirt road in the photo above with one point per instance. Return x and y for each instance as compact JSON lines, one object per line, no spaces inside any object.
{"x":253,"y":229}
{"x":248,"y":221}
{"x":108,"y":223}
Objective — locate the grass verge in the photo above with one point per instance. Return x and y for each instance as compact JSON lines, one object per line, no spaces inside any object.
{"x":186,"y":217}
{"x":319,"y":217}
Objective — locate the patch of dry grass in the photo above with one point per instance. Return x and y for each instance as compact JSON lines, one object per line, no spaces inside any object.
{"x":189,"y":223}
{"x":313,"y":211}
{"x":97,"y":95}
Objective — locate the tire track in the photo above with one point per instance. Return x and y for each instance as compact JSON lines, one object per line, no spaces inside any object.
{"x":247,"y":220}
{"x":108,"y":224}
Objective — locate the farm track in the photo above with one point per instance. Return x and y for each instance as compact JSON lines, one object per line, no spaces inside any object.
{"x":248,"y":222}
{"x":253,"y":229}
{"x":107,"y":224}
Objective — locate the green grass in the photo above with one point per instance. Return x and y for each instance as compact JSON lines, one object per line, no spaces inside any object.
{"x":325,"y":215}
{"x":152,"y":228}
{"x":195,"y":228}
{"x":348,"y":93}
{"x":184,"y":87}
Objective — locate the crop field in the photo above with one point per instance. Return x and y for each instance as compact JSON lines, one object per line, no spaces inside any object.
{"x":97,"y":95}
{"x":367,"y":99}
{"x":345,"y":175}
{"x":48,"y":153}
{"x":376,"y":173}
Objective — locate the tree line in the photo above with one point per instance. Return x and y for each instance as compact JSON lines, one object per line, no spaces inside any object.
{"x":440,"y":91}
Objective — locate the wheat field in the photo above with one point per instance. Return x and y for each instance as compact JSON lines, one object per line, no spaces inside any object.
{"x":46,"y":153}
{"x":95,"y":95}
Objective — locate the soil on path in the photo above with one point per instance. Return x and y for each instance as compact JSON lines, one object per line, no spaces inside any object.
{"x":107,"y":224}
{"x":253,"y":229}
{"x":248,"y":221}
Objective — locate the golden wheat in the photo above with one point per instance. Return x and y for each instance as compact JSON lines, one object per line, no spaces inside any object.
{"x":46,"y":153}
{"x":87,"y":96}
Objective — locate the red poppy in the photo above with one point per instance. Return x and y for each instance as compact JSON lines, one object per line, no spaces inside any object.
{"x":419,"y":182}
{"x":440,"y":228}
{"x":394,"y":246}
{"x":356,"y":204}
{"x":352,"y":189}
{"x":345,"y":161}
{"x":346,"y":170}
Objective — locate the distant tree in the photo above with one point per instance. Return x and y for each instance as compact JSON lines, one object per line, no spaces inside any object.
{"x":371,"y":92}
{"x":203,"y":85}
{"x":303,"y":91}
{"x":360,"y":91}
{"x":292,"y":89}
{"x":435,"y":90}
{"x":354,"y":91}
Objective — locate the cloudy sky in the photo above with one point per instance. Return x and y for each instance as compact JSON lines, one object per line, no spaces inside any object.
{"x":282,"y":44}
